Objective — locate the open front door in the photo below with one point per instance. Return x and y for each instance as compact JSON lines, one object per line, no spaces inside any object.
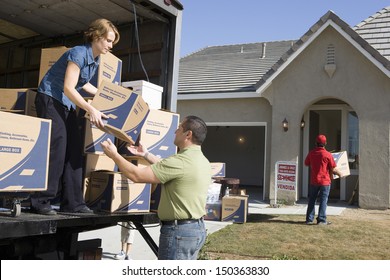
{"x":340,"y":125}
{"x":327,"y":122}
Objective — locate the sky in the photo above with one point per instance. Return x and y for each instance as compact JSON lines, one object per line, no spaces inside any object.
{"x":228,"y":22}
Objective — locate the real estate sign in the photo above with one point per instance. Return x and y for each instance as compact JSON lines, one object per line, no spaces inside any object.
{"x":286,"y":179}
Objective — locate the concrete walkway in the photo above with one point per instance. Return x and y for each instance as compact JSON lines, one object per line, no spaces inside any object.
{"x":141,"y":251}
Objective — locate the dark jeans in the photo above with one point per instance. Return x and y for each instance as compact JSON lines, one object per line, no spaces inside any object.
{"x":322,"y":192}
{"x":65,"y":160}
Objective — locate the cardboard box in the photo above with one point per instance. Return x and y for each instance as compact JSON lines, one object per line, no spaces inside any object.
{"x":93,"y":137}
{"x":30,"y":103}
{"x":127,"y":111}
{"x":49,"y":56}
{"x":157,"y":134}
{"x":213,"y":211}
{"x":218,"y":169}
{"x":113,"y":192}
{"x":24,"y":152}
{"x":151,"y":93}
{"x":13,"y":99}
{"x":110,"y":69}
{"x":234,"y":208}
{"x":95,"y":162}
{"x":155,"y":188}
{"x":341,"y":159}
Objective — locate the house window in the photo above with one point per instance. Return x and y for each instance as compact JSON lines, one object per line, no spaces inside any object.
{"x":353,"y":140}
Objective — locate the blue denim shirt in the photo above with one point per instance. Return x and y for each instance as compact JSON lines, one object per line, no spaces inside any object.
{"x":52,"y":83}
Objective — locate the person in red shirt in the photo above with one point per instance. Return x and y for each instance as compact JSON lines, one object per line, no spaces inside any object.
{"x":322,"y":167}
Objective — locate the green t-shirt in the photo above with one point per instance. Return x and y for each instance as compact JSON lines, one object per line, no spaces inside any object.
{"x":186,"y":177}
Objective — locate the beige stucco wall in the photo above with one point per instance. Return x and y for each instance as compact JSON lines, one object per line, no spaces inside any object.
{"x":227,"y":110}
{"x":357,"y":82}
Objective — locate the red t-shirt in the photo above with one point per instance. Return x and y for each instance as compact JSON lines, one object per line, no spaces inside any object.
{"x":320,"y":162}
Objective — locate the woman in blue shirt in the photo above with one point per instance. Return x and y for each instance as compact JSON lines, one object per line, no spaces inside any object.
{"x":57,"y":98}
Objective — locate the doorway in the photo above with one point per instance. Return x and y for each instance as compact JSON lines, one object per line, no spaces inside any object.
{"x":340,"y":125}
{"x":327,"y":122}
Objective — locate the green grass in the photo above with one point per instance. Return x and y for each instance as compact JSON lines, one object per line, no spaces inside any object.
{"x":286,"y":237}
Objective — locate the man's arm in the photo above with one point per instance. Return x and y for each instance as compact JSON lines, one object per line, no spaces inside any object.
{"x":131,"y":171}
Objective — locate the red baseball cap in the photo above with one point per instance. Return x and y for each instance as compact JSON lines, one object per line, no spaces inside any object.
{"x":321,"y":139}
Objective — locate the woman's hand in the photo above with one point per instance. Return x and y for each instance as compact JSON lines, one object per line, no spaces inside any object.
{"x":96,"y":117}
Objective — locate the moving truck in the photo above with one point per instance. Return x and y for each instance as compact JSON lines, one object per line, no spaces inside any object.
{"x":147,"y":51}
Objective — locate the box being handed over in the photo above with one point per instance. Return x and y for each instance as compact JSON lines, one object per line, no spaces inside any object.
{"x":127,"y":111}
{"x":157,"y":134}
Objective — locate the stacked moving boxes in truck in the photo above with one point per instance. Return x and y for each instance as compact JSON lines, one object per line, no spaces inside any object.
{"x":158,"y":28}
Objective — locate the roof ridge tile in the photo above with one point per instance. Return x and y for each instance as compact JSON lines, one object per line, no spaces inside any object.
{"x":372,"y":17}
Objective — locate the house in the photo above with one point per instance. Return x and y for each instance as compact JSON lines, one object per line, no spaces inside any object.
{"x":264,"y":103}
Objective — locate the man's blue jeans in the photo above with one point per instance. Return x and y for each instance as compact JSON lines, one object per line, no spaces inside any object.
{"x":181,"y":242}
{"x":322,"y":192}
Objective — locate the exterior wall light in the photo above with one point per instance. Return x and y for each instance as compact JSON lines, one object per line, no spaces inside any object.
{"x":302,"y":123}
{"x":285,"y":124}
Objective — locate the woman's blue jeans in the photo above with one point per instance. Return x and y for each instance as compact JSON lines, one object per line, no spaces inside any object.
{"x":181,"y":242}
{"x":322,"y":192}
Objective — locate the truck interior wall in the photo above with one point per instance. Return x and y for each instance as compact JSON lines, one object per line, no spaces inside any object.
{"x":19,"y":61}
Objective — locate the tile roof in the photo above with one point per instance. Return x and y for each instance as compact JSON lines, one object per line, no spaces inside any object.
{"x":302,"y":42}
{"x":229,"y":68}
{"x":376,"y":31}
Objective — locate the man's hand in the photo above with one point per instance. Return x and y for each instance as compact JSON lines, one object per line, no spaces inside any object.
{"x":337,"y":172}
{"x":137,"y":150}
{"x":109,"y":148}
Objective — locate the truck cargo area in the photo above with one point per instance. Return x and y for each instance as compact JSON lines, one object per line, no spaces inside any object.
{"x":149,"y":51}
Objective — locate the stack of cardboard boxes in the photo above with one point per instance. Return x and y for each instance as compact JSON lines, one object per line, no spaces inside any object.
{"x":225,"y":203}
{"x":131,"y":120}
{"x":24,"y":139}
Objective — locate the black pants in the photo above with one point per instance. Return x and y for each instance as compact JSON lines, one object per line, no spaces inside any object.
{"x":66,"y":157}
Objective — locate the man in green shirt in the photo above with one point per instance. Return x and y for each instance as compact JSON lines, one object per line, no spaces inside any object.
{"x":185,"y":178}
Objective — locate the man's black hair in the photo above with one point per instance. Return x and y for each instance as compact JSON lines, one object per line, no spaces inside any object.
{"x":198,"y":128}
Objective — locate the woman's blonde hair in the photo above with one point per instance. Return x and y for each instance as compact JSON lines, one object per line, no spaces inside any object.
{"x":99,"y":29}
